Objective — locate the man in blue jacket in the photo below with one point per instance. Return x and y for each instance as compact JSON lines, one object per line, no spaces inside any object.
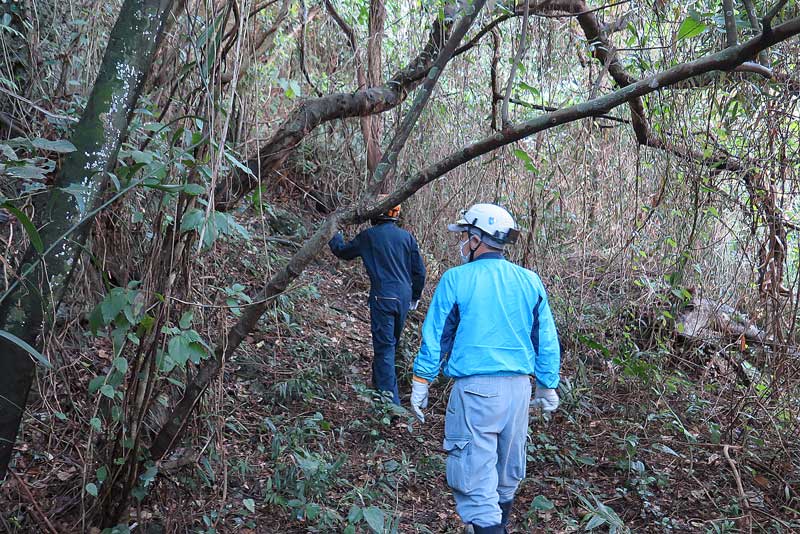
{"x":397,"y":277}
{"x":490,"y":327}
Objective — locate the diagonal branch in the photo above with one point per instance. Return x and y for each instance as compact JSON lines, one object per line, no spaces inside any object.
{"x":771,"y":14}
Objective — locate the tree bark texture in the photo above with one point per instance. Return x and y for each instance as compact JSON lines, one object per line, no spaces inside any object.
{"x":78,"y":186}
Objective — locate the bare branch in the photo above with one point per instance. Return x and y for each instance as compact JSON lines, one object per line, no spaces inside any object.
{"x":348,"y":31}
{"x":301,"y":46}
{"x":523,"y":46}
{"x":771,"y":14}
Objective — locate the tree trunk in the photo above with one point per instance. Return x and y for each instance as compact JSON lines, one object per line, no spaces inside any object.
{"x":372,"y":125}
{"x":79,"y":184}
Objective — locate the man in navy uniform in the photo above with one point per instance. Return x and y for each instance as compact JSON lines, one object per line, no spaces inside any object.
{"x":397,"y":277}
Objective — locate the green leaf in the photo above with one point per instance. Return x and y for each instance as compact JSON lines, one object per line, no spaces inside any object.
{"x":595,"y":522}
{"x":114,"y":302}
{"x":142,"y":157}
{"x":542,"y":503}
{"x":96,"y":383}
{"x":62,"y":146}
{"x":186,"y":320}
{"x":27,"y":348}
{"x":26,"y":172}
{"x":192,"y":220}
{"x":250,"y":504}
{"x":30,"y":229}
{"x":690,"y":28}
{"x":91,"y":489}
{"x":355,"y":515}
{"x":375,"y":518}
{"x":194,"y":189}
{"x":244,"y":168}
{"x":80,"y":193}
{"x":102,"y":473}
{"x":96,"y":424}
{"x":526,"y":159}
{"x":185,"y":347}
{"x":107,"y":390}
{"x":61,"y":416}
{"x":8,"y":152}
{"x":148,"y":476}
{"x":121,"y":364}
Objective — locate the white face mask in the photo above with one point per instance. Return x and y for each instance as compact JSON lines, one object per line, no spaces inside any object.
{"x":464,"y":258}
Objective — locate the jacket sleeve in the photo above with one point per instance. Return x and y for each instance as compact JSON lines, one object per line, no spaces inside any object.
{"x":438,"y":330}
{"x":417,"y":271}
{"x":546,"y":345}
{"x":345,"y":251}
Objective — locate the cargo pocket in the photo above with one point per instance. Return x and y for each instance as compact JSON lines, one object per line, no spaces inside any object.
{"x":458,"y":475}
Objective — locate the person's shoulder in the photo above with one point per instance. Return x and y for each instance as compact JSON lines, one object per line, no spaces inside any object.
{"x":452,"y":272}
{"x":530,"y":273}
{"x":405,"y":234}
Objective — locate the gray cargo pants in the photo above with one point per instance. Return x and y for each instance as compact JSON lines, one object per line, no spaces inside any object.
{"x":485,"y":433}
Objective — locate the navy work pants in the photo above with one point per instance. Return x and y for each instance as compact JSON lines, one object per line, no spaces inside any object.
{"x":387,"y":316}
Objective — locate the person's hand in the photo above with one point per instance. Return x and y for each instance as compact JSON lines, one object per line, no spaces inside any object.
{"x":419,"y":397}
{"x":413,"y":306}
{"x":545,"y":399}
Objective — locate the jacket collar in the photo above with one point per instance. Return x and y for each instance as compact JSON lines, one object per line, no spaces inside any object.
{"x":490,"y":256}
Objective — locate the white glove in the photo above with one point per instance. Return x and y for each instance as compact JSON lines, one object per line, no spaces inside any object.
{"x":413,"y":305}
{"x":545,"y":399}
{"x":419,"y":398}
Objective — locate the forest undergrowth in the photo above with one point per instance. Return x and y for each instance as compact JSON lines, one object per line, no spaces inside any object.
{"x":654,"y":434}
{"x":180,"y":353}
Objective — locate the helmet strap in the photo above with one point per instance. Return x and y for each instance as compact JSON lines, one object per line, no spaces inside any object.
{"x":472,"y":250}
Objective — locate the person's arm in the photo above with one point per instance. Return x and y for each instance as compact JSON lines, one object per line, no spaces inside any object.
{"x":417,"y":271}
{"x":438,"y":330}
{"x":546,"y":345}
{"x":345,"y":251}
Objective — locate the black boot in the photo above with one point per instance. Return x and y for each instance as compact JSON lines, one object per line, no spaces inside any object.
{"x":505,"y":507}
{"x":494,"y":529}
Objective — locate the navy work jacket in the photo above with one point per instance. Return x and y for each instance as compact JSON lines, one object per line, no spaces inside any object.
{"x":391,"y":257}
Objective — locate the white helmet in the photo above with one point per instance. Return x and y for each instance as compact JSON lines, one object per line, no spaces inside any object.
{"x":495,"y":226}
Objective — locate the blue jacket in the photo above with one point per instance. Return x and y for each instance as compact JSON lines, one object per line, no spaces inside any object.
{"x":492,"y":318}
{"x":392,"y":259}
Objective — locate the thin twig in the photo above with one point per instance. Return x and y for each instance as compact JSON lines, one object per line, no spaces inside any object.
{"x":37,"y":108}
{"x":42,"y":517}
{"x":742,"y":497}
{"x":523,"y":45}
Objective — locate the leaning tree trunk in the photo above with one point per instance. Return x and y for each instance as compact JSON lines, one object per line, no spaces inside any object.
{"x":79,"y":184}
